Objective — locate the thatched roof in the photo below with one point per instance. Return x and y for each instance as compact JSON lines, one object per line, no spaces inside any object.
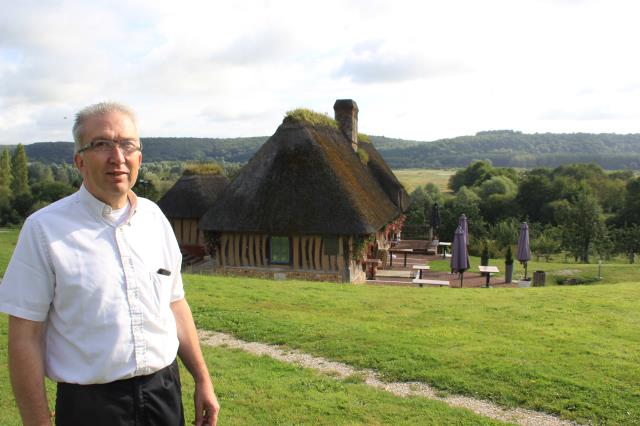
{"x":192,"y":195}
{"x":385,"y":177}
{"x":307,"y":179}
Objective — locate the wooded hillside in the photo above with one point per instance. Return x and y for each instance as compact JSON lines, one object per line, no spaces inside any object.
{"x":504,"y":148}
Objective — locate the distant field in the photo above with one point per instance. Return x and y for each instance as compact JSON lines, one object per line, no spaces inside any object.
{"x":413,"y":178}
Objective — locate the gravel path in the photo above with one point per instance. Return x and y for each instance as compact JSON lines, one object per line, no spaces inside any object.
{"x":371,"y":378}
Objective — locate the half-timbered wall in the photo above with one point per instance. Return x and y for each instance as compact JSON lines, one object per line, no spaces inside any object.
{"x":252,"y":250}
{"x":187,"y":231}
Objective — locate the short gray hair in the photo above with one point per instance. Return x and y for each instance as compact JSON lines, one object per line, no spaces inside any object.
{"x":95,"y":110}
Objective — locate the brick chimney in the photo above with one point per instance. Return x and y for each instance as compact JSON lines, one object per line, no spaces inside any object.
{"x":346,"y":113}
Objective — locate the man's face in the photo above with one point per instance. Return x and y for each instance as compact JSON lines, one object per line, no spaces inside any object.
{"x":109,"y":176}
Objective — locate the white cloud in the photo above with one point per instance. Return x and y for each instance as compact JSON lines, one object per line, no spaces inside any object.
{"x":377,"y":62}
{"x":418,"y":69}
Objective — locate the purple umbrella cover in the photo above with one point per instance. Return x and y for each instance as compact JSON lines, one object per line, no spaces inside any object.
{"x":462,"y":222}
{"x":459,"y":254}
{"x":524,"y":252}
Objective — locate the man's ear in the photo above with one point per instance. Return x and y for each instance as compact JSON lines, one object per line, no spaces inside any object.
{"x":78,"y":161}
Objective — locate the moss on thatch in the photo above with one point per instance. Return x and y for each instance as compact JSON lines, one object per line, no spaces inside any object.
{"x":385,"y":177}
{"x":364,"y":157}
{"x":203,"y":169}
{"x":310,"y":117}
{"x":364,"y":138}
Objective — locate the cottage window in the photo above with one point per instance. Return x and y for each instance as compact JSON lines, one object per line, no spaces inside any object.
{"x":280,"y":250}
{"x":330,"y":246}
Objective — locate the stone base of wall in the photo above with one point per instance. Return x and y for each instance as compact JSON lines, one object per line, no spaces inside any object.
{"x":358,"y":275}
{"x":280,"y":274}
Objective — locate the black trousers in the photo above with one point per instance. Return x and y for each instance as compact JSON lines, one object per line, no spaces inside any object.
{"x":153,"y":400}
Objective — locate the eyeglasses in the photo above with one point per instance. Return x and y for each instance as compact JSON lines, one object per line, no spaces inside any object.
{"x":126,"y":146}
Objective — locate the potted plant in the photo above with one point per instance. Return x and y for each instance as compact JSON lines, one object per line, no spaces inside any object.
{"x":508,"y":265}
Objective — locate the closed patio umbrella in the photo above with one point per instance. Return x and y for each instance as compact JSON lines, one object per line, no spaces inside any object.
{"x":459,"y":254}
{"x":524,"y":252}
{"x":435,"y":218}
{"x":462,"y":222}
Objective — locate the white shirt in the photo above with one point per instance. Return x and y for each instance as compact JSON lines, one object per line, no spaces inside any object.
{"x":95,"y":284}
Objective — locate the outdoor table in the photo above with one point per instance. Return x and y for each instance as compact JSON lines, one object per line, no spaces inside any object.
{"x":421,"y":268}
{"x":444,"y":246}
{"x":403,"y":251}
{"x":488,"y":270}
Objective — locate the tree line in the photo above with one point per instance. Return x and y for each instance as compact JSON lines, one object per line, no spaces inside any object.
{"x":503,"y":148}
{"x":27,"y":185}
{"x":507,"y":148}
{"x":577,"y":209}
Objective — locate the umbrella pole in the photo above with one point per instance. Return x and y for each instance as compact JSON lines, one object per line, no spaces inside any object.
{"x":461,"y":278}
{"x":525,"y":270}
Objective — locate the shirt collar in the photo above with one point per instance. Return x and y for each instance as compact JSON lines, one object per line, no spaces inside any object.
{"x":98,"y":208}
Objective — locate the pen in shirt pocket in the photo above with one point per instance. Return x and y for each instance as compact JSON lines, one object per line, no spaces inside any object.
{"x":163,"y":271}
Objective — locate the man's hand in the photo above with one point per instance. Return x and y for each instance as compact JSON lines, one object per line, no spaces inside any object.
{"x":206,"y":405}
{"x":204,"y":398}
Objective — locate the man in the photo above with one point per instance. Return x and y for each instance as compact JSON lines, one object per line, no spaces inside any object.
{"x":95,"y":299}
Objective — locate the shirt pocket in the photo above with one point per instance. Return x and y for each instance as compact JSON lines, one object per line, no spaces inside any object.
{"x":160,"y":292}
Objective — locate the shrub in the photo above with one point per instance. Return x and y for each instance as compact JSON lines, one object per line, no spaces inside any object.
{"x":574,"y":280}
{"x":508,"y":257}
{"x":484,"y":258}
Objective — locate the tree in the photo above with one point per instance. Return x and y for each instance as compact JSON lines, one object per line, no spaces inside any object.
{"x":422,"y":200}
{"x":583,"y":224}
{"x":630,"y":213}
{"x":39,"y":172}
{"x":476,"y":173}
{"x":497,"y":198}
{"x":627,"y":240}
{"x":20,"y":172}
{"x":48,"y":191}
{"x":5,"y":170}
{"x":484,"y":257}
{"x":547,"y":242}
{"x":497,"y":185}
{"x":505,"y":232}
{"x":467,"y":202}
{"x":534,"y":192}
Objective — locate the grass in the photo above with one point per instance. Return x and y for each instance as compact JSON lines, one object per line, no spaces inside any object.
{"x":259,"y":390}
{"x":570,"y":351}
{"x":413,"y":178}
{"x":8,"y":240}
{"x":311,"y":117}
{"x":567,"y":350}
{"x":610,"y":273}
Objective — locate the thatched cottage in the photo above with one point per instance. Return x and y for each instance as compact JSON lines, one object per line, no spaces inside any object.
{"x":307,"y":204}
{"x":185,"y":203}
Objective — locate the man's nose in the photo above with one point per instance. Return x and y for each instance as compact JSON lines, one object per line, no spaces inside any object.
{"x":116,"y":155}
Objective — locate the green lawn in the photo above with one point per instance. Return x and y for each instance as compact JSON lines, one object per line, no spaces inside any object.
{"x":8,"y":240}
{"x":261,"y":391}
{"x":567,"y":350}
{"x":610,"y":273}
{"x":571,"y":351}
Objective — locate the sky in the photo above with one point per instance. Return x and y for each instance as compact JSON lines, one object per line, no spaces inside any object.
{"x":420,"y":70}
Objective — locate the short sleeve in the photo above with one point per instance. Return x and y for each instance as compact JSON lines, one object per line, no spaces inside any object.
{"x":28,"y":284}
